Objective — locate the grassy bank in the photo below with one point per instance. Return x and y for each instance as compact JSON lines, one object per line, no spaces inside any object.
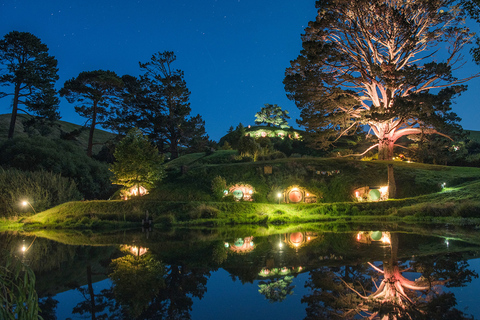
{"x":185,"y":197}
{"x":461,"y":204}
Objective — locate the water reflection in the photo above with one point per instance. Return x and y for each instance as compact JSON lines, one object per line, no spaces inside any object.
{"x":375,"y":274}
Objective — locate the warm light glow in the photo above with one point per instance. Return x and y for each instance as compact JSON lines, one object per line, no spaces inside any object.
{"x":24,"y":203}
{"x":383,"y":189}
{"x":307,"y":194}
{"x":24,"y":248}
{"x":359,"y":236}
{"x":386,"y":238}
{"x":279,"y":195}
{"x":280,"y":245}
{"x":308,"y":238}
{"x":357,"y":194}
{"x":294,"y":189}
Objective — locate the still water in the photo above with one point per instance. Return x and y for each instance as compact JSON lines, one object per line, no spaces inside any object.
{"x":377,"y":272}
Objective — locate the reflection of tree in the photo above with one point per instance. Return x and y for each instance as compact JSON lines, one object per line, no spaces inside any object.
{"x":174,"y":301}
{"x":137,"y":280}
{"x":276,"y":290}
{"x":47,"y":308}
{"x":95,"y":304}
{"x":384,"y":292}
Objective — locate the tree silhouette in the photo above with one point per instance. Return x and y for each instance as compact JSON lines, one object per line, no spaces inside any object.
{"x":26,"y":66}
{"x":94,"y":92}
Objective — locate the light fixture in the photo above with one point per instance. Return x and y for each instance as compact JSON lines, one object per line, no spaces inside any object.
{"x":25,"y":202}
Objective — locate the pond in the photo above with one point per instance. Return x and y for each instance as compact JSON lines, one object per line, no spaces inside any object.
{"x":382,"y":272}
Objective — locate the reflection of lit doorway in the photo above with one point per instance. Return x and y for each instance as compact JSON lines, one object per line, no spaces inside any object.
{"x":295,"y":196}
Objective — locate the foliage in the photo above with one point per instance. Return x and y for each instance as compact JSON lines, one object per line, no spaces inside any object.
{"x":272,"y":115}
{"x":369,"y":63}
{"x":219,"y":184}
{"x":233,"y":136}
{"x":165,"y":117}
{"x":247,"y":145}
{"x":61,"y":157}
{"x":137,"y":281}
{"x":95,"y":92}
{"x":28,"y":69}
{"x":276,"y":290}
{"x":18,"y":296}
{"x":137,"y":162}
{"x":41,"y":189}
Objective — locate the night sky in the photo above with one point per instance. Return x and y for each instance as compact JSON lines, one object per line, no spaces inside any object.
{"x":233,"y":52}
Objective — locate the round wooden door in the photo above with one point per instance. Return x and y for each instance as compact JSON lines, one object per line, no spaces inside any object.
{"x":295,"y":196}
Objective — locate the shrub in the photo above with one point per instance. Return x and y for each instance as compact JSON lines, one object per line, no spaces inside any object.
{"x":41,"y":189}
{"x":58,"y":156}
{"x":219,"y":184}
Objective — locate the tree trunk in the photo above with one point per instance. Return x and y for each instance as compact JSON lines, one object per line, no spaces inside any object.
{"x":90,"y":292}
{"x":385,"y":149}
{"x":13,"y":119}
{"x":392,"y":189}
{"x":92,"y":129}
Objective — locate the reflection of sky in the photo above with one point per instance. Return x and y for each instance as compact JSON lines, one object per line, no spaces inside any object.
{"x":225,"y":299}
{"x":467,"y":297}
{"x":69,"y":299}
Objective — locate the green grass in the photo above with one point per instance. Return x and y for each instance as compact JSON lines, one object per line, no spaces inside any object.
{"x":460,"y":204}
{"x":100,"y":136}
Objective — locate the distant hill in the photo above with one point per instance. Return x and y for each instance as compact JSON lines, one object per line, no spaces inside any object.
{"x":474,"y":135}
{"x":60,"y":130}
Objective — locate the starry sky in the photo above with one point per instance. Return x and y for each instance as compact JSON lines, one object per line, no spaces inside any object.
{"x":233,"y":52}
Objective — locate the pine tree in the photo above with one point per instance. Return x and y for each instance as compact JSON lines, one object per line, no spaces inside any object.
{"x":30,"y":72}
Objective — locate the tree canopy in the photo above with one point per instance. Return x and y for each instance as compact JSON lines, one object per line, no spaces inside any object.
{"x":137,"y":162}
{"x":377,"y":64}
{"x":30,"y":72}
{"x":166,"y":118}
{"x":272,"y":114}
{"x":94,"y":92}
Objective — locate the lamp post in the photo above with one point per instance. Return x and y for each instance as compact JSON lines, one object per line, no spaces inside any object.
{"x":25,"y":202}
{"x":279,"y":195}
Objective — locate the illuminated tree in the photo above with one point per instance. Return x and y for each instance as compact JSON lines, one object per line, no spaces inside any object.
{"x":375,"y":64}
{"x":272,"y":114}
{"x":31,"y":73}
{"x":137,"y":162}
{"x":95,"y":92}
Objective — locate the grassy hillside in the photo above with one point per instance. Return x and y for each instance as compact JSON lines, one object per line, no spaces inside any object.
{"x":331,"y":179}
{"x":60,"y":129}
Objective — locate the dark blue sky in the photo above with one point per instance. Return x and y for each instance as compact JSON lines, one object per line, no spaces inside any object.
{"x":233,"y":52}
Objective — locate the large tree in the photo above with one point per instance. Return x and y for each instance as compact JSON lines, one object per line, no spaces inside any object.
{"x":95,"y":92}
{"x":378,"y":64}
{"x":166,"y":117}
{"x":272,"y":114}
{"x":30,"y":73}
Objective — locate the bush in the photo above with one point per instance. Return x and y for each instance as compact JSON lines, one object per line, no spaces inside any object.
{"x":41,"y":189}
{"x":58,"y":156}
{"x":218,"y":186}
